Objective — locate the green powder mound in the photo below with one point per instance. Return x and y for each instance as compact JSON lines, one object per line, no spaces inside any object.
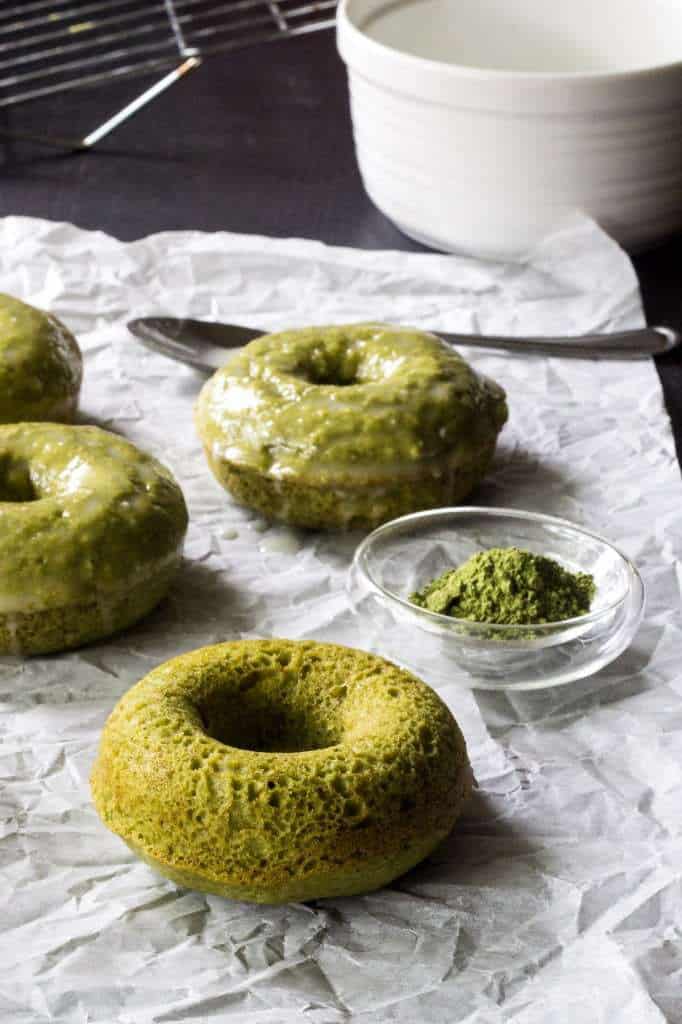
{"x":508,"y":586}
{"x":276,"y":770}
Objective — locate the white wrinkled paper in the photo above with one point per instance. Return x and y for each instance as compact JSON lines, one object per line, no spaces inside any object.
{"x":558,"y":898}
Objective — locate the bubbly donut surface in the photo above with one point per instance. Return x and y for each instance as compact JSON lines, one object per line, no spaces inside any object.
{"x":274,"y":770}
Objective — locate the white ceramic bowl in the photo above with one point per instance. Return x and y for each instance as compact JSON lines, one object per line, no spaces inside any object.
{"x":481,"y":124}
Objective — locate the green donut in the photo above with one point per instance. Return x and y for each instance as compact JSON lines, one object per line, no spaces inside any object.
{"x":91,"y":533}
{"x":346,"y":427}
{"x":276,"y":770}
{"x":40,"y":365}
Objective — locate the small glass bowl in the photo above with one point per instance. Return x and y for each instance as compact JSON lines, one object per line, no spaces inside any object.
{"x":400,"y":557}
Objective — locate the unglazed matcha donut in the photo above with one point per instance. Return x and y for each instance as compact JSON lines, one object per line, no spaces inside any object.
{"x":40,"y":365}
{"x":276,"y":770}
{"x":348,"y":426}
{"x":91,"y":533}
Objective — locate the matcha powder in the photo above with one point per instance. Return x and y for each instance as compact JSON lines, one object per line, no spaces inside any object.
{"x":508,"y":586}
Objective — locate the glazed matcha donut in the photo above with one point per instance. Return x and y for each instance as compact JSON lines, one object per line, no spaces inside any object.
{"x":91,"y":533}
{"x":276,"y":770}
{"x":348,"y":426}
{"x":40,"y":365}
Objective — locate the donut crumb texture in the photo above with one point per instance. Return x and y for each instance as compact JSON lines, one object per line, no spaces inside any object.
{"x":278,"y":770}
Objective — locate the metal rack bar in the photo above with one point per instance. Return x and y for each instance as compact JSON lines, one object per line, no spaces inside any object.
{"x":50,"y":46}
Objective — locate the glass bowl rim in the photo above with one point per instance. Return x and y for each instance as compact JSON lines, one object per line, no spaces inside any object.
{"x":450,"y":622}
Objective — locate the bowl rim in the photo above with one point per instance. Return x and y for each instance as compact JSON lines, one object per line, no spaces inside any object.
{"x":451,"y":622}
{"x":346,"y":25}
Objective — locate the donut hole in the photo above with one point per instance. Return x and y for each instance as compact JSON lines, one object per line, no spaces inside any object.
{"x":15,"y":480}
{"x":269,"y":715}
{"x":336,"y":367}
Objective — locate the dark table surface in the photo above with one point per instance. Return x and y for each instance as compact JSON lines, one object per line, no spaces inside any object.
{"x":255,"y":141}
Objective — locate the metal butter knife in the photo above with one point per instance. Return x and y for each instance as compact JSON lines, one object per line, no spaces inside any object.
{"x":204,"y":344}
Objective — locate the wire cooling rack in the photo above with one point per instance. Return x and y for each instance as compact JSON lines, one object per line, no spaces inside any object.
{"x":49,"y":46}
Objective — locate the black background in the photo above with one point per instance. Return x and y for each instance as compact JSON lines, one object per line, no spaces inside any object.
{"x":254,"y":141}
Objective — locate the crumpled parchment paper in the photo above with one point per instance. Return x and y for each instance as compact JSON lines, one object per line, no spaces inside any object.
{"x":558,"y":898}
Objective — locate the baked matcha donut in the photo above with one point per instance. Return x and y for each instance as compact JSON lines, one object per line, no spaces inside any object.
{"x":40,"y":365}
{"x":276,"y":770}
{"x":91,"y":533}
{"x":348,"y":426}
